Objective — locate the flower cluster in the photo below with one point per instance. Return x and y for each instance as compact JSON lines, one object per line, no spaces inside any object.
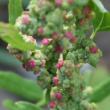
{"x":63,"y":26}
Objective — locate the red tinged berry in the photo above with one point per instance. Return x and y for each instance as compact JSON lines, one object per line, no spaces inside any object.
{"x":45,"y":41}
{"x":82,"y":22}
{"x":58,"y":2}
{"x":59,"y":49}
{"x":52,"y":104}
{"x":93,"y":49}
{"x":70,"y":1}
{"x":55,"y":35}
{"x":30,"y":64}
{"x":74,"y":40}
{"x":58,"y":96}
{"x":87,"y":10}
{"x":60,"y":64}
{"x":55,"y":80}
{"x":40,"y":30}
{"x":71,"y":37}
{"x":25,"y":19}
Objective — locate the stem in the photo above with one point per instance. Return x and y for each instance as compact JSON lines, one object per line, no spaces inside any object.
{"x":98,"y":27}
{"x":93,"y":35}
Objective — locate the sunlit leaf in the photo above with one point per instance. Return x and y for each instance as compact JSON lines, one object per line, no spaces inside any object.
{"x":11,"y":35}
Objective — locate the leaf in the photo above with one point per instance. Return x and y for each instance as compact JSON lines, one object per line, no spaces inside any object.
{"x":6,"y":58}
{"x":97,"y":76}
{"x":105,"y":26}
{"x":21,"y":105}
{"x":105,"y":104}
{"x":26,"y":106}
{"x":101,"y":91}
{"x":11,"y":35}
{"x":15,"y":10}
{"x":102,"y":17}
{"x":81,"y":2}
{"x":27,"y":89}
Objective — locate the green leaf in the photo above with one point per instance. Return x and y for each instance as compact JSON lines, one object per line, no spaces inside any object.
{"x":81,"y":2}
{"x":98,"y":75}
{"x":26,"y":106}
{"x":21,"y":105}
{"x":102,"y":17}
{"x":6,"y":58}
{"x":101,"y":91}
{"x":104,"y":105}
{"x":11,"y":35}
{"x":105,"y":26}
{"x":15,"y":10}
{"x":27,"y":89}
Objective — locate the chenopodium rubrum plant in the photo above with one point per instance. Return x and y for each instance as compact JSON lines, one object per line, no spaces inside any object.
{"x":67,"y":45}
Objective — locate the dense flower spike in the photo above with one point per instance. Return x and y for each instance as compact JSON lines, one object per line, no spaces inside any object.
{"x":62,"y":26}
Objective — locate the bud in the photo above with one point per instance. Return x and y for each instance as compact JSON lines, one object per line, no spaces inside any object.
{"x":30,"y":64}
{"x":74,"y":40}
{"x":58,"y":96}
{"x":93,"y":49}
{"x":25,"y":19}
{"x":52,"y":104}
{"x":29,"y":39}
{"x":55,"y":80}
{"x":82,"y":22}
{"x":46,"y":41}
{"x":70,"y":1}
{"x":58,"y":2}
{"x":55,"y":35}
{"x":88,"y":91}
{"x":40,"y":30}
{"x":71,"y":37}
{"x":87,"y":10}
{"x":59,"y":49}
{"x":60,"y":64}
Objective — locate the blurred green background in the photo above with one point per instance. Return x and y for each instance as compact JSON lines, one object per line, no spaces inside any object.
{"x":8,"y":62}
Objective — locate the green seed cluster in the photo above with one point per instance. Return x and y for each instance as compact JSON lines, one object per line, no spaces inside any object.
{"x":64,"y":27}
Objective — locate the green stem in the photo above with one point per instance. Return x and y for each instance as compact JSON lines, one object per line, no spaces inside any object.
{"x":98,"y":27}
